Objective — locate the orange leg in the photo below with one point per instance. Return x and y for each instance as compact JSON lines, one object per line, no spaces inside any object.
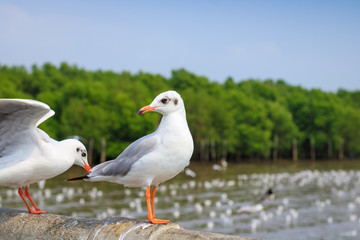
{"x":23,"y":198}
{"x":152,"y":197}
{"x":151,"y":209}
{"x":37,"y":210}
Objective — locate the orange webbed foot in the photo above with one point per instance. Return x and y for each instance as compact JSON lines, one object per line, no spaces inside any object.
{"x":36,"y":211}
{"x":158,"y":221}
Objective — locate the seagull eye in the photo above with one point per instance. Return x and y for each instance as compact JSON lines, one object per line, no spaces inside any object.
{"x":83,"y":154}
{"x":164,"y":100}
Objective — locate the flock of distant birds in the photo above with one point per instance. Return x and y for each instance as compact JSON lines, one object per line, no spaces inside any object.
{"x":253,"y":208}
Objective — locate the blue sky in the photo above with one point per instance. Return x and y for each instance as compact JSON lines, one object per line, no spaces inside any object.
{"x":315,"y":44}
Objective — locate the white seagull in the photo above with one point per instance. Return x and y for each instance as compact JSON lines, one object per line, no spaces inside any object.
{"x":154,"y":158}
{"x":27,"y":154}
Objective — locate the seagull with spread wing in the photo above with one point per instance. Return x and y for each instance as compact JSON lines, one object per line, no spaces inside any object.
{"x":27,"y":154}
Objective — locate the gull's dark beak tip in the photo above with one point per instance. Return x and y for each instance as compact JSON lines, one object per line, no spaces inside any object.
{"x":140,"y":112}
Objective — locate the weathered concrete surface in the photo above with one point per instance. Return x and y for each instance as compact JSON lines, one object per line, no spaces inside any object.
{"x":16,"y":224}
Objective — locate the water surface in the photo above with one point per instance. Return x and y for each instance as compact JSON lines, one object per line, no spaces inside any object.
{"x":312,"y":200}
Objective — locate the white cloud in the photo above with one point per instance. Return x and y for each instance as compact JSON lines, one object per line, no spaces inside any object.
{"x":12,"y":14}
{"x":14,"y":22}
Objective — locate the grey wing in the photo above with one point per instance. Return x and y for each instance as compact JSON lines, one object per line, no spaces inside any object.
{"x":123,"y":163}
{"x":18,"y":121}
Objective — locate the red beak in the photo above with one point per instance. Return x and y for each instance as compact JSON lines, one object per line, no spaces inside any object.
{"x":146,"y":109}
{"x":87,"y":167}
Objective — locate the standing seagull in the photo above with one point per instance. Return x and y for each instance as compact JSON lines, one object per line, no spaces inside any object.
{"x":154,"y":158}
{"x":27,"y":154}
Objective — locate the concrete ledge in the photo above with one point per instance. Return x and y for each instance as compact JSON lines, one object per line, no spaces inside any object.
{"x":16,"y":224}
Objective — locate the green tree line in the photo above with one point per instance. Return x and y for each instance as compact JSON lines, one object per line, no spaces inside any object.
{"x":245,"y":119}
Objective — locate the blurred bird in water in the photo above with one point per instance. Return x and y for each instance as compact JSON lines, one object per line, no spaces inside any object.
{"x":257,"y":206}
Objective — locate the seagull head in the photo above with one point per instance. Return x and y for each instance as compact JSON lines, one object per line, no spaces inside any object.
{"x":165,"y":103}
{"x":81,"y":155}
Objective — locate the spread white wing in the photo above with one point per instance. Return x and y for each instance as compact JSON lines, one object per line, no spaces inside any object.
{"x":19,"y":134}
